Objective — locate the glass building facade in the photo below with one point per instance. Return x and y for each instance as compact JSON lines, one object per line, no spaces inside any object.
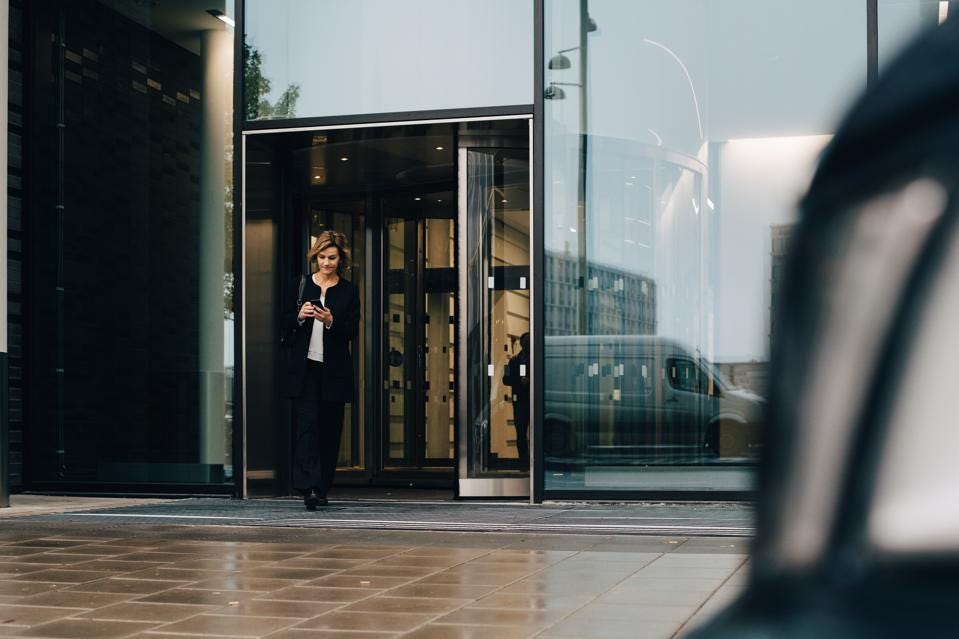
{"x":569,"y":219}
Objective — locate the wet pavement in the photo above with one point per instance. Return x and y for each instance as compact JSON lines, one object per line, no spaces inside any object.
{"x":69,"y":575}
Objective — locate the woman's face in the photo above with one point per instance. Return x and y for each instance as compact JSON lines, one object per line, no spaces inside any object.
{"x":328,"y":261}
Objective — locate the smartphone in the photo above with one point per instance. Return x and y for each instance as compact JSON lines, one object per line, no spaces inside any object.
{"x":317,"y":302}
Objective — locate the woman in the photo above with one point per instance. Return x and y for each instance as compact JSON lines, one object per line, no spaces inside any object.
{"x":323,"y":321}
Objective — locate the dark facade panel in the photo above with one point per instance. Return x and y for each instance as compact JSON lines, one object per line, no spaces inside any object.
{"x":14,"y":244}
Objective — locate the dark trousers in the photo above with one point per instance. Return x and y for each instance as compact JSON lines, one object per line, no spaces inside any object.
{"x":318,"y":430}
{"x":521,"y":421}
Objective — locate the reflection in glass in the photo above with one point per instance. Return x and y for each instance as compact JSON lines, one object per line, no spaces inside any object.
{"x":675,"y":150}
{"x":309,"y":59}
{"x":498,"y":317}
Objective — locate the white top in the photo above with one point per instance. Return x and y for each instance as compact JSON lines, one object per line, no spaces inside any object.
{"x":315,"y":351}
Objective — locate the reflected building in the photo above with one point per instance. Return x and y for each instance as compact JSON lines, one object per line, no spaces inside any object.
{"x":619,"y":303}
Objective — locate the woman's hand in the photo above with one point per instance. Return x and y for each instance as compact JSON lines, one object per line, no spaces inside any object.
{"x":307,"y":310}
{"x":324,"y":315}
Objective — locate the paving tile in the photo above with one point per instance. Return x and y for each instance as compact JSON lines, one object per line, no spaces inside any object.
{"x":26,"y":616}
{"x":498,"y":617}
{"x":556,"y":586}
{"x":155,"y":556}
{"x":272,"y":608}
{"x":15,"y":568}
{"x":376,"y":570}
{"x":227,"y":626}
{"x":20,"y":551}
{"x":86,"y":629}
{"x":600,"y":613}
{"x":589,"y":629}
{"x":448,"y":591}
{"x":406,"y":604}
{"x":319,"y":563}
{"x":198,"y":597}
{"x":64,"y":576}
{"x":93,"y":551}
{"x":662,"y":597}
{"x":139,"y":611}
{"x":130,"y":586}
{"x":684,"y":572}
{"x":258,"y":555}
{"x":48,"y":543}
{"x":470,"y":632}
{"x":353,"y":621}
{"x":320,"y":595}
{"x":73,"y":599}
{"x":278,"y":572}
{"x":697,"y":560}
{"x":56,"y":559}
{"x":426,"y":561}
{"x":114,"y":566}
{"x":239,"y":581}
{"x":514,"y":601}
{"x":481,"y":579}
{"x":218,"y":564}
{"x":18,"y":588}
{"x":295,"y":633}
{"x":355,"y":552}
{"x":359,"y":581}
{"x":460,"y":553}
{"x":644,"y":582}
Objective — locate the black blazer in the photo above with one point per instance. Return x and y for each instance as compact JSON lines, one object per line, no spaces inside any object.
{"x":343,"y":300}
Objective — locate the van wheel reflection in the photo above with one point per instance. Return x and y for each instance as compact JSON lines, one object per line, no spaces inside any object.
{"x":712,"y":442}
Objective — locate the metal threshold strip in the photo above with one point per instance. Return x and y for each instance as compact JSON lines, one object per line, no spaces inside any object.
{"x":684,"y":529}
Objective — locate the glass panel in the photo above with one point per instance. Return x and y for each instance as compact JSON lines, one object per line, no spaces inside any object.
{"x":131,"y":367}
{"x":902,"y":20}
{"x":308,"y":59}
{"x":398,"y":382}
{"x":439,"y":327}
{"x":669,"y":204}
{"x":498,"y":320}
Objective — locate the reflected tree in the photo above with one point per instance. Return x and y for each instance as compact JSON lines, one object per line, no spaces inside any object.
{"x":256,"y":87}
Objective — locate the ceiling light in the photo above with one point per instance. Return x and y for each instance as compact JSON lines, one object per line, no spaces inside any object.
{"x":943,"y":11}
{"x":439,"y":148}
{"x":219,"y":15}
{"x":344,"y":159}
{"x":316,"y":177}
{"x":417,"y":199}
{"x":505,"y":201}
{"x":439,"y":201}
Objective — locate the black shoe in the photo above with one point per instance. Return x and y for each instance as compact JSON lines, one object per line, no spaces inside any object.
{"x":312,"y":500}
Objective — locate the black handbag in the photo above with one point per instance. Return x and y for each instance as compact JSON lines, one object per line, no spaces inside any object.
{"x":286,"y":337}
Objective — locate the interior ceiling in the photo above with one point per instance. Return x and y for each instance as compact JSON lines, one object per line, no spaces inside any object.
{"x":180,"y":21}
{"x":398,"y":162}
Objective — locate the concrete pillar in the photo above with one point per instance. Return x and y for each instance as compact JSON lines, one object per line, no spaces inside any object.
{"x":216,"y":51}
{"x":4,"y":386}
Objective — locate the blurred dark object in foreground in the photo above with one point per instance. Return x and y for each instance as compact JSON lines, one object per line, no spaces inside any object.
{"x":858,"y":528}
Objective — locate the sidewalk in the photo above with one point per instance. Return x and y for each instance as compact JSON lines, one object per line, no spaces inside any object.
{"x":66,"y":575}
{"x":26,"y":505}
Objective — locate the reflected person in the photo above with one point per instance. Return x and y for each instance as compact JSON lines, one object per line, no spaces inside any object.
{"x":323,"y":321}
{"x":517,"y":377}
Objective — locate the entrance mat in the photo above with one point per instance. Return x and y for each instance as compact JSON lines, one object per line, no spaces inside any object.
{"x":627,"y":518}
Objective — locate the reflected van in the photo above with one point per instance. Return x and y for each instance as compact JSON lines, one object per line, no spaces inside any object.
{"x":642,"y":399}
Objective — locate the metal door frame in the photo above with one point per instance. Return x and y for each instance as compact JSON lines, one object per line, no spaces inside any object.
{"x":489,"y":486}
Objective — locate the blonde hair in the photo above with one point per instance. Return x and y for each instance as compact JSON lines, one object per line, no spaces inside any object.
{"x":325,"y":240}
